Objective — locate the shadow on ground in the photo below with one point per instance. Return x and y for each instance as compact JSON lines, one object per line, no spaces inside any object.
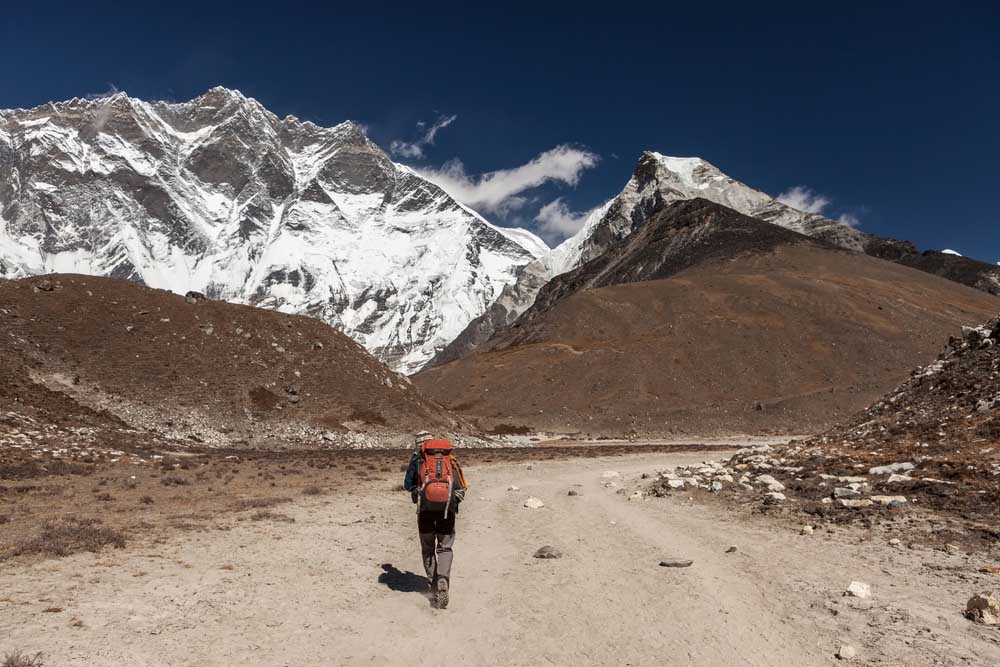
{"x":403,"y":582}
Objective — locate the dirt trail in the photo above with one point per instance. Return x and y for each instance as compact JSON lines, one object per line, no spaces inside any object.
{"x":337,"y":587}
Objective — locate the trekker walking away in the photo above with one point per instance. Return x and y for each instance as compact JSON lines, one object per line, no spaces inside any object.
{"x":437,"y":485}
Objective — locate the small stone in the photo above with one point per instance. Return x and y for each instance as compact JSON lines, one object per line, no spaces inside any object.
{"x":731,"y":550}
{"x":846,"y":652}
{"x":636,"y":496}
{"x":675,"y":483}
{"x":890,"y":501}
{"x":572,"y":492}
{"x":513,"y":488}
{"x":775,"y":497}
{"x":898,"y":479}
{"x":715,"y":487}
{"x":952,"y":549}
{"x":855,"y":504}
{"x":891,"y":468}
{"x":844,"y":492}
{"x":806,"y":530}
{"x":548,"y":552}
{"x":676,"y":562}
{"x":610,"y":474}
{"x":894,"y":542}
{"x":533,"y":503}
{"x":858,"y":589}
{"x":983,"y":608}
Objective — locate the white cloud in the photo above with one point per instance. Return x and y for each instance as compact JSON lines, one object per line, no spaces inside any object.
{"x":850,"y":220}
{"x":804,"y":199}
{"x":808,"y":200}
{"x":556,"y":222}
{"x":415,"y":150}
{"x":502,"y":190}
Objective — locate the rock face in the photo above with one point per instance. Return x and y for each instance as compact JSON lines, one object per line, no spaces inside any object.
{"x":219,"y":196}
{"x":659,"y":180}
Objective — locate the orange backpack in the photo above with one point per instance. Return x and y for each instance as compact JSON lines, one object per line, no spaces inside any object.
{"x":437,"y":476}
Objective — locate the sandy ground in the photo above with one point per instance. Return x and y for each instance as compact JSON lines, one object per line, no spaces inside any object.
{"x":337,"y":587}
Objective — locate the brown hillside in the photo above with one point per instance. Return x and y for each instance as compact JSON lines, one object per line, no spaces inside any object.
{"x":793,"y":339}
{"x":86,"y":350}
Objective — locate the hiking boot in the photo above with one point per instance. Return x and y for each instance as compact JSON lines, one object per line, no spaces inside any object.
{"x":442,"y":593}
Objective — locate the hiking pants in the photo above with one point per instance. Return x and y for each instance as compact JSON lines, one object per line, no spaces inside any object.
{"x":437,"y":536}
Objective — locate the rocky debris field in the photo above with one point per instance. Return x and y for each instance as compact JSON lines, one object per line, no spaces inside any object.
{"x":932,"y":444}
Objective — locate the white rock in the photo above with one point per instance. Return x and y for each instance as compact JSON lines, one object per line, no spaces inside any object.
{"x":846,"y":652}
{"x":715,"y":487}
{"x":889,"y":501}
{"x":895,"y":479}
{"x":513,"y":488}
{"x":675,"y":483}
{"x":806,"y":530}
{"x":776,"y":496}
{"x":533,"y":503}
{"x":855,"y":504}
{"x":891,"y":468}
{"x":859,"y":589}
{"x":610,"y":485}
{"x":636,"y":496}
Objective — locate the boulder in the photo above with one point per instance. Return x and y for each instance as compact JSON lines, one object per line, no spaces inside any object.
{"x":983,"y":608}
{"x":774,"y":497}
{"x":533,"y":503}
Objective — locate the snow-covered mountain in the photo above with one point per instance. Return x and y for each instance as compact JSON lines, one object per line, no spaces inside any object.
{"x":220,"y":196}
{"x":659,"y":180}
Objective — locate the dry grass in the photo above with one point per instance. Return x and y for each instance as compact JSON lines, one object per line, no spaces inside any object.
{"x":259,"y":503}
{"x":70,"y":535}
{"x":18,"y":659}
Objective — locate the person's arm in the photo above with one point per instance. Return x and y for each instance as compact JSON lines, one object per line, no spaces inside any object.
{"x":410,"y":481}
{"x":459,"y":491}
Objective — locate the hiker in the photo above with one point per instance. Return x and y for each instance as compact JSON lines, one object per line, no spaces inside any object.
{"x":437,"y":486}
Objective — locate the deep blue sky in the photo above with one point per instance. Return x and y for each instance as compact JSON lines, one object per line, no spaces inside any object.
{"x":890,"y":111}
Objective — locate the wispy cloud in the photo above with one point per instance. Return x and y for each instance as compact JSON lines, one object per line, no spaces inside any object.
{"x":503,"y":190}
{"x":849,"y":219}
{"x":415,"y":150}
{"x":556,"y":221}
{"x":804,"y":199}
